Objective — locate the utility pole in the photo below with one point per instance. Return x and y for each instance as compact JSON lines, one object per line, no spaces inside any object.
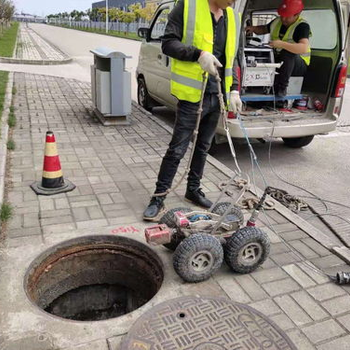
{"x":106,"y":16}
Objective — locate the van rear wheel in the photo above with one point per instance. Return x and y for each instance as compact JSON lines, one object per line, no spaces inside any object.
{"x":297,"y":142}
{"x":143,"y":98}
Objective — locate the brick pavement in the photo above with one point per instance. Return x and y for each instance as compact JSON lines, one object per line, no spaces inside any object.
{"x":115,"y":170}
{"x":31,"y":48}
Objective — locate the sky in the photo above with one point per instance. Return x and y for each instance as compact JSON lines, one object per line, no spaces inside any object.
{"x":46,"y":7}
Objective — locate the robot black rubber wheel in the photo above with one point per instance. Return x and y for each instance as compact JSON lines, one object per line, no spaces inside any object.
{"x":221,"y":207}
{"x":169,"y":220}
{"x":247,"y":249}
{"x":197,"y":257}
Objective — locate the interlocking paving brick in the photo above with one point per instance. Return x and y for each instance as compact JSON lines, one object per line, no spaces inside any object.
{"x":283,"y":321}
{"x":278,"y":248}
{"x":80,"y":214}
{"x":323,"y":331}
{"x":312,"y":271}
{"x":299,"y":340}
{"x":338,"y":306}
{"x":293,"y":310}
{"x":284,"y":286}
{"x":61,"y":203}
{"x":274,"y":238}
{"x":286,"y":258}
{"x":267,"y":307}
{"x":23,"y":232}
{"x":269,"y":275}
{"x":92,"y":223}
{"x":327,"y":261}
{"x":293,"y":235}
{"x":252,"y":288}
{"x":336,"y":344}
{"x":326,"y":291}
{"x":316,"y":247}
{"x":232,"y":288}
{"x":303,"y":249}
{"x":299,"y":276}
{"x":309,"y":305}
{"x":344,"y":321}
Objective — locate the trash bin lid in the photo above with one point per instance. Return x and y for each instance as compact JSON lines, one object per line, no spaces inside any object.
{"x":106,"y":52}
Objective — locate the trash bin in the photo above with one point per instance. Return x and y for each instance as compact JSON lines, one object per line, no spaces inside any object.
{"x":110,"y":87}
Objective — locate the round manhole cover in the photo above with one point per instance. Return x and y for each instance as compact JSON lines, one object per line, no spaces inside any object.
{"x":196,"y":323}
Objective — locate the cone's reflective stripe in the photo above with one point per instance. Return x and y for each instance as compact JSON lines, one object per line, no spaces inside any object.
{"x":52,"y":174}
{"x":186,"y":77}
{"x":51,"y":149}
{"x":288,"y":36}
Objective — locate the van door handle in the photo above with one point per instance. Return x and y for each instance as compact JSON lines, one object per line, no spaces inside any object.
{"x":159,"y":56}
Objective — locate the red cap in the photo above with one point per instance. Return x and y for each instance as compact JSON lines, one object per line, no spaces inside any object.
{"x":290,"y":8}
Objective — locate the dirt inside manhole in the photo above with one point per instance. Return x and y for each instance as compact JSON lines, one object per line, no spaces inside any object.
{"x":94,"y":278}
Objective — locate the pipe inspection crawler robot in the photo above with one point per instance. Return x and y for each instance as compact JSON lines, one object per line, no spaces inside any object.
{"x":202,"y":239}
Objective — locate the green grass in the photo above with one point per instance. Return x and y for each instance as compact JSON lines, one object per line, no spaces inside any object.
{"x":11,"y":145}
{"x":12,"y":120}
{"x":132,"y":36}
{"x":8,"y":40}
{"x":3,"y":84}
{"x":6,"y":212}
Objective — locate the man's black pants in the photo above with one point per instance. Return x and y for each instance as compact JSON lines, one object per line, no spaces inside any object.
{"x":293,"y":65}
{"x":185,"y":124}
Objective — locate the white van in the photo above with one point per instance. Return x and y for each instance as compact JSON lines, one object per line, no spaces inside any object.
{"x":322,"y":88}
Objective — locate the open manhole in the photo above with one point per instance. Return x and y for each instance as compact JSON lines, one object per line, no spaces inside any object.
{"x":94,"y":278}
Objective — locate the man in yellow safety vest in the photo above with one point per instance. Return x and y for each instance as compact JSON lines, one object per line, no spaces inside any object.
{"x":290,"y":38}
{"x":200,"y":36}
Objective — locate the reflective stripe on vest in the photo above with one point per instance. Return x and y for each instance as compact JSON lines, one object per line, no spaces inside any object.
{"x":288,"y":36}
{"x":186,"y":77}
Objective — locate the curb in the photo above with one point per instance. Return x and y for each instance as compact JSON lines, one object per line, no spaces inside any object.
{"x":342,"y":252}
{"x":4,"y":135}
{"x":37,"y":62}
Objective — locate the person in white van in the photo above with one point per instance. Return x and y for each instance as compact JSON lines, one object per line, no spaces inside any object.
{"x":200,"y":36}
{"x":290,"y":37}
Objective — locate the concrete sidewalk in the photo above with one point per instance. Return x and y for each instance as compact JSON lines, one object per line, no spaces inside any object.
{"x":115,"y":170}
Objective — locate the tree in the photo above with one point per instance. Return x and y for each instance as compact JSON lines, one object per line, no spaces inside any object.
{"x":136,"y":10}
{"x":127,"y":17}
{"x":148,"y":11}
{"x":115,"y":14}
{"x":102,"y":14}
{"x":7,"y":10}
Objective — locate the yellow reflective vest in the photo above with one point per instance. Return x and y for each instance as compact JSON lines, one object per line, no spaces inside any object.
{"x":186,"y":77}
{"x":288,"y":36}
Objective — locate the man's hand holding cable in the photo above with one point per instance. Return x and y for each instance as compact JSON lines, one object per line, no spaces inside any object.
{"x":235,"y":102}
{"x":209,"y":63}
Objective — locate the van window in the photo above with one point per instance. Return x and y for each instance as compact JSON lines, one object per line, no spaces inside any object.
{"x":159,"y":24}
{"x":323,"y":37}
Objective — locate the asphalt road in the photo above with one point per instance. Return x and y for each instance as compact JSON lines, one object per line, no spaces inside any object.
{"x":322,"y":167}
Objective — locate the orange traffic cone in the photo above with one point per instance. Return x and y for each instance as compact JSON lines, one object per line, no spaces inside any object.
{"x":52,"y":180}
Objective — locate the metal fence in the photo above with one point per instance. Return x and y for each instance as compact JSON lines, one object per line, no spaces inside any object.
{"x":157,"y":30}
{"x":117,"y":26}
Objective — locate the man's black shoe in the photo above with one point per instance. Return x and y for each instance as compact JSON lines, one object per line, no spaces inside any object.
{"x":198,"y":197}
{"x":155,"y":209}
{"x":281,"y":92}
